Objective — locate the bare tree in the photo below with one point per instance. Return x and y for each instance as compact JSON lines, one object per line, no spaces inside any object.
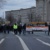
{"x":30,"y":17}
{"x":1,"y":20}
{"x":2,"y":2}
{"x":19,"y":19}
{"x":11,"y":19}
{"x":38,"y":18}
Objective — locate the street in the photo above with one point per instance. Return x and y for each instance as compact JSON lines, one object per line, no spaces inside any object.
{"x":36,"y":41}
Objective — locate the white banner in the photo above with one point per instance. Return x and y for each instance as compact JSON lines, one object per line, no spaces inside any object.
{"x":37,"y":28}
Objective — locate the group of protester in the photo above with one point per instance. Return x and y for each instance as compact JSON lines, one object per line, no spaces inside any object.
{"x":16,"y":28}
{"x":5,"y":28}
{"x":19,"y":28}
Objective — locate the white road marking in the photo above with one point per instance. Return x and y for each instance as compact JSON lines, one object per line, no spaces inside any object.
{"x":43,"y":42}
{"x":23,"y":43}
{"x":2,"y":40}
{"x":45,"y":36}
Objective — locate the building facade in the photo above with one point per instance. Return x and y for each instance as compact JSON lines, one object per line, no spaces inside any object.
{"x":22,"y":15}
{"x":43,"y":10}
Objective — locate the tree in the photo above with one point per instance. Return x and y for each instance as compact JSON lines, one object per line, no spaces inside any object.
{"x":30,"y":17}
{"x":33,"y":18}
{"x":11,"y":19}
{"x":38,"y":18}
{"x":1,"y":20}
{"x":19,"y":19}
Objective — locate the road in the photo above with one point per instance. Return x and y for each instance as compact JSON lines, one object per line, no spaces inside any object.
{"x":36,"y":41}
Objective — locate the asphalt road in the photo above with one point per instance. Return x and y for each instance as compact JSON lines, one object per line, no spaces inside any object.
{"x":36,"y":41}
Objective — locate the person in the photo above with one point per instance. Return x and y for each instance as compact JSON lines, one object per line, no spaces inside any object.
{"x":1,"y":28}
{"x":24,"y":29}
{"x":19,"y":28}
{"x":4,"y":28}
{"x":48,"y":28}
{"x":15,"y":28}
{"x":8,"y":28}
{"x":46,"y":24}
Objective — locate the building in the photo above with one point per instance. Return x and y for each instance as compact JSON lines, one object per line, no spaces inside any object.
{"x":22,"y":15}
{"x":43,"y":10}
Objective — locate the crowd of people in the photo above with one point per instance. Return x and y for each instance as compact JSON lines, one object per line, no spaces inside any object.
{"x":16,"y":28}
{"x":19,"y":28}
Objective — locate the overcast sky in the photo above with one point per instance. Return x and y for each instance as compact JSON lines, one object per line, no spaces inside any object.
{"x":17,"y":4}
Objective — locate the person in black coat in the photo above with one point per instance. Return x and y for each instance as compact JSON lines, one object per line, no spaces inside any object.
{"x":19,"y":28}
{"x":8,"y":28}
{"x":4,"y":28}
{"x":48,"y":29}
{"x":1,"y":28}
{"x":24,"y":29}
{"x":46,"y":24}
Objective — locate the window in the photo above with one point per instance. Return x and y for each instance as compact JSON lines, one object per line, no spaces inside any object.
{"x":37,"y":0}
{"x":49,"y":2}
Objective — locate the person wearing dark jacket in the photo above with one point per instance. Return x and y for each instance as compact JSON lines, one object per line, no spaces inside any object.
{"x":4,"y":28}
{"x":46,"y":24}
{"x":24,"y":29}
{"x":48,"y":29}
{"x":8,"y":28}
{"x":1,"y":28}
{"x":19,"y":28}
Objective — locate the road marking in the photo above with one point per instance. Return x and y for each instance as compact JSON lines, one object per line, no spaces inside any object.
{"x":2,"y":40}
{"x":43,"y":42}
{"x":45,"y":36}
{"x":23,"y":43}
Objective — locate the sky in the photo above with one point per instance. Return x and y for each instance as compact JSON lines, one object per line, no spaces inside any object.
{"x":16,"y":5}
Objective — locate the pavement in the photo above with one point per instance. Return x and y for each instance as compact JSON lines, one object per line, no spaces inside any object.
{"x":36,"y":41}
